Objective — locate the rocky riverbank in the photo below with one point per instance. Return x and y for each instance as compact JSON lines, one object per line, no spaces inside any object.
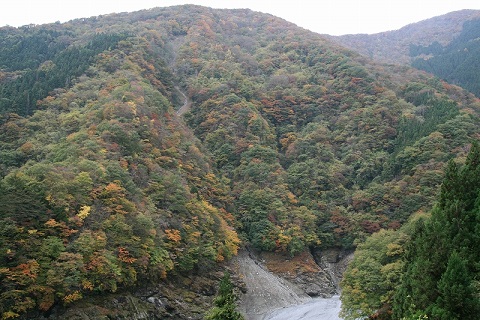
{"x":273,"y":281}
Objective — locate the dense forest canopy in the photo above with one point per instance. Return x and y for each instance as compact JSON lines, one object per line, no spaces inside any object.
{"x":428,"y":269}
{"x":291,"y":143}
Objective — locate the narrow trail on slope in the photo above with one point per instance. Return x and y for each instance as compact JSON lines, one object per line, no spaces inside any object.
{"x":186,"y":103}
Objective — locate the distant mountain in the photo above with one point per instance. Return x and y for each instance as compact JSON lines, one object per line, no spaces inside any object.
{"x":457,"y":62}
{"x":394,"y":46}
{"x":291,"y":143}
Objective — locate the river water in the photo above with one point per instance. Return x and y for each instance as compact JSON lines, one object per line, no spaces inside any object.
{"x":316,"y":309}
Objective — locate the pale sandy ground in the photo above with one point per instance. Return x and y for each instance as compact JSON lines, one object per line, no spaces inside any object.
{"x":317,"y":309}
{"x":270,"y":297}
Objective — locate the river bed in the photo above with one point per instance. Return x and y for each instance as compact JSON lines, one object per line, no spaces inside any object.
{"x":317,"y":309}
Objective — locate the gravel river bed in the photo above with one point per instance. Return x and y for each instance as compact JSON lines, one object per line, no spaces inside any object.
{"x":316,"y":309}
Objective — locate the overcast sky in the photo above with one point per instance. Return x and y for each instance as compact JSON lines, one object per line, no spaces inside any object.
{"x":333,"y":17}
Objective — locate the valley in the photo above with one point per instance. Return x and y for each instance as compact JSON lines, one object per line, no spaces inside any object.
{"x":142,"y":154}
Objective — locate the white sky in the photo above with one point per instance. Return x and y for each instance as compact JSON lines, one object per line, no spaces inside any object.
{"x":333,"y":17}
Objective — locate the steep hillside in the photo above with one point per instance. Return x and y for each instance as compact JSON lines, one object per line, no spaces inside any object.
{"x":291,"y":143}
{"x":394,"y":46}
{"x":103,"y":187}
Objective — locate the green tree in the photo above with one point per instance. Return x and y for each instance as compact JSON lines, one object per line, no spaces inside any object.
{"x":369,"y":283}
{"x":456,"y":294}
{"x":442,"y":259}
{"x":225,"y":302}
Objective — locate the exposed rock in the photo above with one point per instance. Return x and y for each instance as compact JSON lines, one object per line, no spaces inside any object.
{"x":182,"y":297}
{"x":334,"y":262}
{"x":156,"y":301}
{"x":303,"y":271}
{"x":117,"y":306}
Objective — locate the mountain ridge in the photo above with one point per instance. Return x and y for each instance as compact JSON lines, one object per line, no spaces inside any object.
{"x":393,"y":46}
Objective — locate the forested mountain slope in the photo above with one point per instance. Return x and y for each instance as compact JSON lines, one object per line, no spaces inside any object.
{"x":293,"y":143}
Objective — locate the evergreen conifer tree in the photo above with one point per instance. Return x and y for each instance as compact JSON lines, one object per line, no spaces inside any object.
{"x":456,"y":299}
{"x":443,"y":257}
